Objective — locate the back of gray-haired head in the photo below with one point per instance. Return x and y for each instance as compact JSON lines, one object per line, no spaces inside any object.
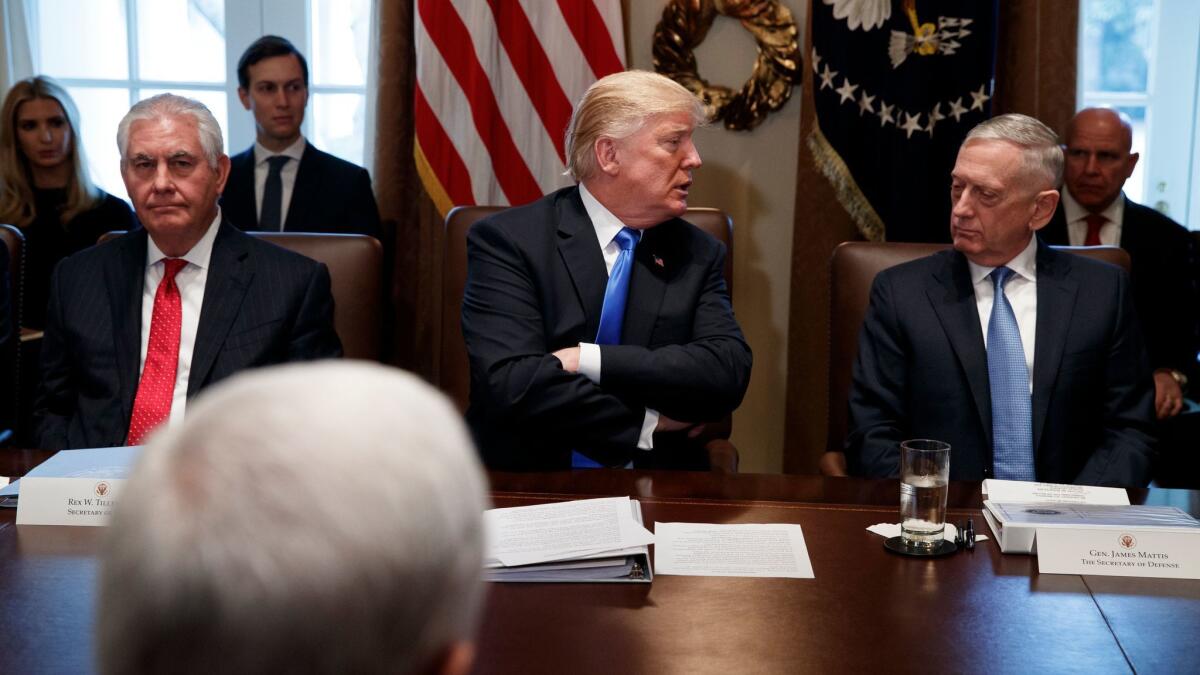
{"x":170,"y":105}
{"x":1043,"y":157}
{"x":306,"y":518}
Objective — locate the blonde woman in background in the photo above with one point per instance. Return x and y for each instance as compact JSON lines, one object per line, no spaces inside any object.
{"x":45,"y":189}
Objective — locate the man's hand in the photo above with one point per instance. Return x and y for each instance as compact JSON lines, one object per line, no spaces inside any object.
{"x":1168,"y":396}
{"x":569,"y":357}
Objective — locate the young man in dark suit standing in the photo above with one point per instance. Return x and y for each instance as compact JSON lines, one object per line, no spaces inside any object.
{"x":282,"y":182}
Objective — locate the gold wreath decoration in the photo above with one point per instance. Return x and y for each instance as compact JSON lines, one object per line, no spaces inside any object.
{"x":778,"y":66}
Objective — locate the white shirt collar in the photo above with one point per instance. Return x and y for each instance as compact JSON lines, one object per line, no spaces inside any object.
{"x":1074,"y":211}
{"x":605,"y":223}
{"x":199,"y":255}
{"x":1024,"y":264}
{"x":295,"y":151}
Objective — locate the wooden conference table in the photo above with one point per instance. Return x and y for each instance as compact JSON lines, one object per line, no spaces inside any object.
{"x":867,"y":610}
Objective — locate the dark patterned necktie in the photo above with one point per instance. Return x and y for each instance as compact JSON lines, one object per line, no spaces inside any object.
{"x":272,"y":206}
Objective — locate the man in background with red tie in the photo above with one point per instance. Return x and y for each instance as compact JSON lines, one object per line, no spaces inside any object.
{"x":139,"y":324}
{"x":597,"y":321}
{"x":1095,"y":211}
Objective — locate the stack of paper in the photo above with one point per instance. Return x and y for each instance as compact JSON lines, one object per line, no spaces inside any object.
{"x":590,"y":540}
{"x":1016,"y":524}
{"x":1005,"y":498}
{"x":1012,"y":491}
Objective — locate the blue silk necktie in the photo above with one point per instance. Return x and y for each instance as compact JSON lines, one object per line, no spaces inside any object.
{"x":272,"y":206}
{"x":612,"y":315}
{"x":1012,"y":414}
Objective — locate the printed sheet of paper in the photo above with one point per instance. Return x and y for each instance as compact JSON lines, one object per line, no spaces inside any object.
{"x":744,"y":550}
{"x":1011,"y":491}
{"x":525,"y":535}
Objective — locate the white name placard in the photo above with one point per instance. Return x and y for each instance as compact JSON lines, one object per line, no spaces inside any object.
{"x":74,"y":487}
{"x":1119,"y":552}
{"x":67,"y":501}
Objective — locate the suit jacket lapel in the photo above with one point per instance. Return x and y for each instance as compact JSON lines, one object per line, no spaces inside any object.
{"x":1055,"y":304}
{"x":1130,"y":235}
{"x":125,"y":275}
{"x":229,"y":274}
{"x":304,"y":191}
{"x":581,"y":254}
{"x":953,"y":297}
{"x":242,"y":194}
{"x":654,"y":261}
{"x":1055,"y":232}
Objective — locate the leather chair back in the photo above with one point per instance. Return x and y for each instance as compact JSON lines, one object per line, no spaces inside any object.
{"x":355,"y":263}
{"x":852,"y":271}
{"x":14,"y":240}
{"x":454,"y":371}
{"x":11,"y":407}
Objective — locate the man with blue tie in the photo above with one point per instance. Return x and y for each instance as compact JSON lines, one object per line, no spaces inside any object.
{"x":597,"y":321}
{"x":1028,"y":361}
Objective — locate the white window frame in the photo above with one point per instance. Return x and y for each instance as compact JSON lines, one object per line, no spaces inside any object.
{"x":1171,"y":161}
{"x":245,"y":21}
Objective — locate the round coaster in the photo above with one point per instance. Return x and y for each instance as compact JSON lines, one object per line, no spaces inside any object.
{"x":897,"y":545}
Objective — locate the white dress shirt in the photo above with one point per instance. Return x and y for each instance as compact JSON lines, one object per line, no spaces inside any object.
{"x":1110,"y":231}
{"x":190,"y":280}
{"x":606,"y":226}
{"x":287,"y":175}
{"x":1021,"y":291}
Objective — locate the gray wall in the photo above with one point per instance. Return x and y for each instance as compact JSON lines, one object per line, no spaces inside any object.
{"x":752,"y":176}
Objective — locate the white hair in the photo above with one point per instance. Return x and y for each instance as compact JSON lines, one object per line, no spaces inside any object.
{"x":321,"y":517}
{"x":170,"y":105}
{"x":1041,"y":155}
{"x":617,"y":106}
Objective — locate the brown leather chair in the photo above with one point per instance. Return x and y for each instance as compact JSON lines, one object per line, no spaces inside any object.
{"x":355,"y":263}
{"x":852,"y":270}
{"x":454,"y":371}
{"x":10,"y":397}
{"x":15,"y":241}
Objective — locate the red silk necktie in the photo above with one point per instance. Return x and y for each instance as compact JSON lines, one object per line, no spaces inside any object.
{"x":1094,"y":223}
{"x":152,"y":405}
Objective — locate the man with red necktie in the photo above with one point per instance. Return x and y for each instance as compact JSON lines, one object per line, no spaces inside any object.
{"x":1094,"y":211}
{"x":139,"y":324}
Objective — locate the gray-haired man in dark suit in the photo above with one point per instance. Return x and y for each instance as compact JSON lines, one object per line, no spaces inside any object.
{"x":138,"y":325}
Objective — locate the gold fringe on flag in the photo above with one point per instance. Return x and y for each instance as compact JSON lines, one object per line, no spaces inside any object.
{"x":830,"y":164}
{"x":433,"y":186}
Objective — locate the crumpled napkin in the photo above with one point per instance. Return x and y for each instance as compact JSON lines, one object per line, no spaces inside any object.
{"x":890,"y":530}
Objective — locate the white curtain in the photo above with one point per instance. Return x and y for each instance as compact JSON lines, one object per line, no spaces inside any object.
{"x":19,"y":39}
{"x":372,"y":82}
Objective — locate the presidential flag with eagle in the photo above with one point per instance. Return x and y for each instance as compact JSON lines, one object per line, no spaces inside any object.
{"x":897,"y":84}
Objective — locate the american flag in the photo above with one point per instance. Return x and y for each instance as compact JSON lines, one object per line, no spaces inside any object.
{"x":496,"y":82}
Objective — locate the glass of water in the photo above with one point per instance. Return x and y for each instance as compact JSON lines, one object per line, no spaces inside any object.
{"x":924,"y":475}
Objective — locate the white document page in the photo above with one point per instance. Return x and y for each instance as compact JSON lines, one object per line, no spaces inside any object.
{"x":1012,"y":491}
{"x":524,"y":535}
{"x":746,"y":550}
